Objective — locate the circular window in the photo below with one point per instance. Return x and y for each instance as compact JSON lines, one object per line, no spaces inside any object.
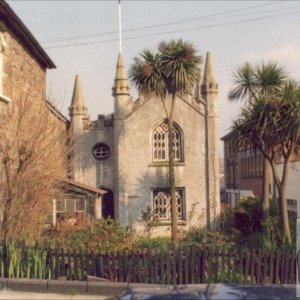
{"x":100,"y":151}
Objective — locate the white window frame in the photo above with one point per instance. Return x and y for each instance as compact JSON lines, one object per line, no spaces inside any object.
{"x":3,"y":46}
{"x":164,"y":193}
{"x":74,"y":203}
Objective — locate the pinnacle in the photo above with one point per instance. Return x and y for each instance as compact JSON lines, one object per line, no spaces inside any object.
{"x":121,"y":84}
{"x":77,"y":104}
{"x":120,"y":72}
{"x":209,"y":74}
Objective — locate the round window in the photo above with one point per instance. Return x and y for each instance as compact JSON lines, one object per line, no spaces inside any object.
{"x":100,"y":151}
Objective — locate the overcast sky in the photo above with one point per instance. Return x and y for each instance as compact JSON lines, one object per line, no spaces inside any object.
{"x":81,"y":38}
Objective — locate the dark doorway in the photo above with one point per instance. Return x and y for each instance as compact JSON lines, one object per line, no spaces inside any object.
{"x":108,"y":205}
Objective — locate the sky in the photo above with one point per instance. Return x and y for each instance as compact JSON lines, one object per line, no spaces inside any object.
{"x":81,"y":37}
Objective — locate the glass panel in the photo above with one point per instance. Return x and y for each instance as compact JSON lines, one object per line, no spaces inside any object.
{"x":60,"y":205}
{"x":70,"y":205}
{"x":80,"y":204}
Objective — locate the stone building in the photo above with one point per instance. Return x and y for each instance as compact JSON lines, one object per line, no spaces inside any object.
{"x":23,"y":66}
{"x":23,"y":63}
{"x":125,"y":153}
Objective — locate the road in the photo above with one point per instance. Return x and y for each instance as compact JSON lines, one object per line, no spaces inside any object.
{"x":45,"y":296}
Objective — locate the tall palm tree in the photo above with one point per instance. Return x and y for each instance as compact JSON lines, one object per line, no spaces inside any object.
{"x":251,"y":83}
{"x":168,"y":73}
{"x":272,"y":125}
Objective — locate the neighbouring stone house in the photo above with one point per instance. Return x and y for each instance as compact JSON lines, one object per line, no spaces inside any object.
{"x":126,"y":154}
{"x":23,"y":65}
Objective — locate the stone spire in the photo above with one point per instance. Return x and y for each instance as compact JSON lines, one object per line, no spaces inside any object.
{"x":121,"y":86}
{"x":209,"y":89}
{"x":77,"y":105}
{"x":209,"y":83}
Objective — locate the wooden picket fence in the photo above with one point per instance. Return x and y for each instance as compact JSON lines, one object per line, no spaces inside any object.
{"x":179,"y":266}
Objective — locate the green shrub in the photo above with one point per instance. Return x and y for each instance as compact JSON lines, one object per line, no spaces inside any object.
{"x":163,"y":243}
{"x":101,"y":236}
{"x":248,"y":215}
{"x":216,"y":239}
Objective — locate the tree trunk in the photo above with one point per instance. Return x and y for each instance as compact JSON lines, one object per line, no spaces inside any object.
{"x":174,"y":222}
{"x":266,"y":191}
{"x":284,"y":213}
{"x":281,"y":187}
{"x":282,"y":198}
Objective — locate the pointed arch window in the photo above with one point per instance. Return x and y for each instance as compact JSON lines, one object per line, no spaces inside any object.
{"x":162,"y":203}
{"x":160,"y":143}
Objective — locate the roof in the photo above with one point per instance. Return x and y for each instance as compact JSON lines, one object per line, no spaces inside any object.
{"x":56,"y":112}
{"x":226,"y":136}
{"x":9,"y":17}
{"x":83,"y":186}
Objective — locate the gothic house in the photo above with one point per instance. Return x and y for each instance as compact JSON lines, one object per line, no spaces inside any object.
{"x":126,"y":154}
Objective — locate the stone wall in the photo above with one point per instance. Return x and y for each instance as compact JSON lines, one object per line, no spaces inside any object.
{"x":23,"y":75}
{"x":42,"y":132}
{"x":138,"y":175}
{"x":87,"y":169}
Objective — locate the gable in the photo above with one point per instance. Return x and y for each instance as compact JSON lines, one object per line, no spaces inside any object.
{"x":186,"y":103}
{"x":14,"y":23}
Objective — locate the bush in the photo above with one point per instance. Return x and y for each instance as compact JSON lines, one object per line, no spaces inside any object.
{"x":248,"y":215}
{"x":101,"y":236}
{"x":163,"y":243}
{"x":215,"y":239}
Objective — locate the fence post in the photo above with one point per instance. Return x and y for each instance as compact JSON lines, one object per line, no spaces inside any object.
{"x":187,"y":263}
{"x":174,"y":269}
{"x":168,"y":261}
{"x":203,"y":265}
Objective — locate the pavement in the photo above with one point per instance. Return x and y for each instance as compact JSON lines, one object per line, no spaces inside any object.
{"x":13,"y":295}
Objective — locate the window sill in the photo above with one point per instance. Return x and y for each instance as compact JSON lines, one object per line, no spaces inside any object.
{"x":4,"y":98}
{"x":165,"y":164}
{"x":168,"y":223}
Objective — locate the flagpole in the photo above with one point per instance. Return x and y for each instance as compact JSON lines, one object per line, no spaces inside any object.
{"x":120,"y":28}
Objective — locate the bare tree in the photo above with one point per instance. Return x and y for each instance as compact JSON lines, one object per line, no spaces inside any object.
{"x":33,"y":153}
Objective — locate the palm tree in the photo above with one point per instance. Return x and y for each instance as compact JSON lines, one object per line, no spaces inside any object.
{"x":250,"y":83}
{"x":271,"y":124}
{"x":168,"y":73}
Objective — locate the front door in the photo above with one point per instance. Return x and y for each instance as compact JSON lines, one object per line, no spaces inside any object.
{"x":108,"y":205}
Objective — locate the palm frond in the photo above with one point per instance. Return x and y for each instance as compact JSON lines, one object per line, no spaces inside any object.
{"x":146,"y":75}
{"x":180,"y":64}
{"x":271,"y":77}
{"x":245,"y":83}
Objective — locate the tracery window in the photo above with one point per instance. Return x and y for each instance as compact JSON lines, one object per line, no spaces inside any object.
{"x":160,"y":143}
{"x":162,"y":204}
